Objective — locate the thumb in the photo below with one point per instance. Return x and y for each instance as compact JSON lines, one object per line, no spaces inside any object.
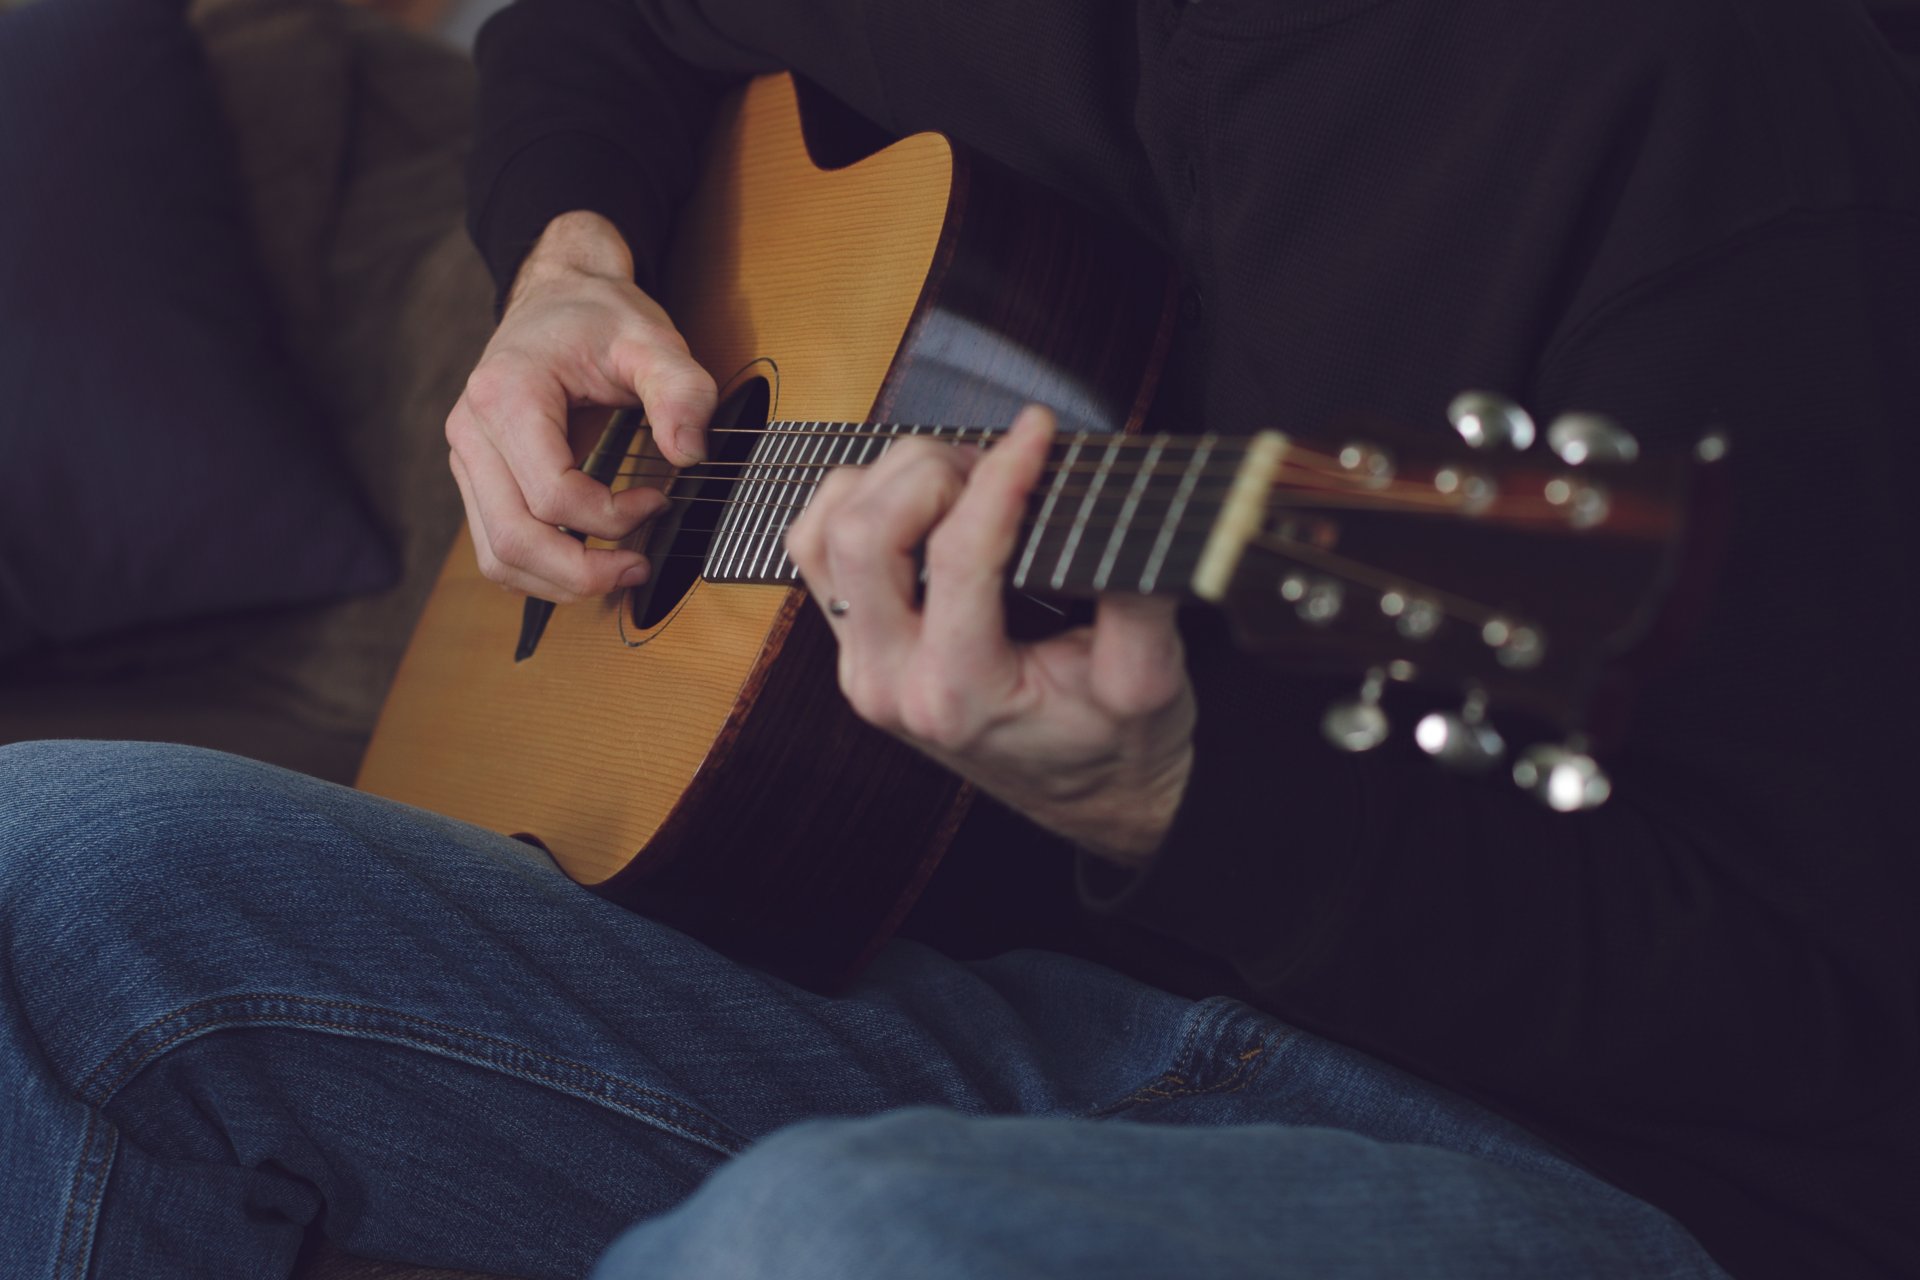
{"x":678,"y":395}
{"x":1138,"y":663}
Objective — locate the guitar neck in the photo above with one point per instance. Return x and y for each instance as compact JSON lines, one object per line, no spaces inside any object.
{"x":1152,"y":515}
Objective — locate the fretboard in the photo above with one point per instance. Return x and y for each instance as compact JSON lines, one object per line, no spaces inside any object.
{"x":1110,"y":512}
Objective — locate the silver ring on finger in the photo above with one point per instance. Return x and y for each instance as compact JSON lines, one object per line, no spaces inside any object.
{"x":839,"y":608}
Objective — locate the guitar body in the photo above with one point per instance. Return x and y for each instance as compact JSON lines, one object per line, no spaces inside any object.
{"x":702,"y":767}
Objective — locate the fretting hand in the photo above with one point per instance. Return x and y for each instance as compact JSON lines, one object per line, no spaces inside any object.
{"x":1088,"y":733}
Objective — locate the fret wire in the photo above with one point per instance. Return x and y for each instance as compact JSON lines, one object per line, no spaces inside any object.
{"x":782,"y":520}
{"x":785,"y":566}
{"x":724,"y":561}
{"x":766,"y":534}
{"x":775,"y":548}
{"x":773,"y":487}
{"x":759,"y":491}
{"x":1165,"y":540}
{"x":723,"y":529}
{"x":1046,"y":513}
{"x":1092,"y":498}
{"x":1127,"y":511}
{"x":730,"y":559}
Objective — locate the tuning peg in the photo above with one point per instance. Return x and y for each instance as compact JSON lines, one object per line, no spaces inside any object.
{"x":1358,"y":724}
{"x":1563,"y":776}
{"x":1317,"y":600}
{"x":1371,"y":465}
{"x":1464,"y":742}
{"x":1588,"y":437}
{"x":1485,"y":421}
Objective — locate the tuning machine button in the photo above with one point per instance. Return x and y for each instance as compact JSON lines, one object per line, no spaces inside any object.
{"x":1358,"y":724}
{"x":1415,"y":617}
{"x":1516,"y":645}
{"x":1580,"y":438}
{"x":1462,"y":741}
{"x":1371,"y":465}
{"x":1473,"y":490}
{"x":1317,"y":600}
{"x":1585,"y":503}
{"x":1563,"y":776}
{"x":1486,"y":421}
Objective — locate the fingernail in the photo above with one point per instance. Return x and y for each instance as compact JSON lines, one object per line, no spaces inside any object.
{"x":634,"y":576}
{"x":693,"y":443}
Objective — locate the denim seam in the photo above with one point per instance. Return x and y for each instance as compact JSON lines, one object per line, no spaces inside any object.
{"x":663,"y":1112}
{"x":1249,"y":1061}
{"x":588,"y":1083}
{"x":90,"y":1169}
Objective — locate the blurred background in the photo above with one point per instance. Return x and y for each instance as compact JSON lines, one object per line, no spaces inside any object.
{"x":237,"y":300}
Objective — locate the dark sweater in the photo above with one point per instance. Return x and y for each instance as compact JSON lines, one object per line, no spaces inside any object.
{"x":1683,"y":213}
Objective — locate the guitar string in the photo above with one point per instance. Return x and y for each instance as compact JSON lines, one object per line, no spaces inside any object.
{"x":1512,"y":511}
{"x":1450,"y":604}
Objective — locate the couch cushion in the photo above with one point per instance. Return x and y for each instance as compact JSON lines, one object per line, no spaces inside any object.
{"x":162,"y":460}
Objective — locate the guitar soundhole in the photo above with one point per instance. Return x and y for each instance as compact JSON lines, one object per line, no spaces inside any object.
{"x":681,"y":539}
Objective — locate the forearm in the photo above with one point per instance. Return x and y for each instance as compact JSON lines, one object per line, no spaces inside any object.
{"x":582,"y":108}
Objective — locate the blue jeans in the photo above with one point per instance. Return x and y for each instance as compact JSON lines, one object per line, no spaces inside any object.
{"x":236,"y":1003}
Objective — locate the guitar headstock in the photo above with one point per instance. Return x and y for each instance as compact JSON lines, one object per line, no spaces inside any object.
{"x":1522,"y":581}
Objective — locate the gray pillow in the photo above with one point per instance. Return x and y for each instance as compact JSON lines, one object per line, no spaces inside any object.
{"x":158,"y":458}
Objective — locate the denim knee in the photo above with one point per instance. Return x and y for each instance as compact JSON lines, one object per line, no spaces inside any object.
{"x":82,"y":811}
{"x":100,"y":839}
{"x":826,"y":1198}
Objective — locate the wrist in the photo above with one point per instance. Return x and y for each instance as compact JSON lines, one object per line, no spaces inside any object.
{"x":575,"y":243}
{"x":1130,"y":837}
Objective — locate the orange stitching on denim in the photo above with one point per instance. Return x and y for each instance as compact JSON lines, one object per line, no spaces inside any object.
{"x":1241,"y":1076}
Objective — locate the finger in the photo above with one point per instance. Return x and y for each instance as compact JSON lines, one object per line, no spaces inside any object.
{"x":806,"y":542}
{"x":873,"y":537}
{"x":968,"y":555}
{"x":678,"y":394}
{"x":519,"y":413}
{"x":1138,"y":662}
{"x":531,"y":555}
{"x":491,"y":568}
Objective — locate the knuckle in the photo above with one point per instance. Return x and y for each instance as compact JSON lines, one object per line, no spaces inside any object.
{"x":512,"y":547}
{"x":933,"y":711}
{"x":803,"y":546}
{"x":867,"y":694}
{"x":855,"y":534}
{"x":951,"y":548}
{"x":578,"y":582}
{"x":459,"y":426}
{"x":489,"y":386}
{"x":490,"y":567}
{"x":546,"y":501}
{"x":832,"y":487}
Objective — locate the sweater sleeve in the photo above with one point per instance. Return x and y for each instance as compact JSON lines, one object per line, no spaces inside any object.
{"x":602,"y":104}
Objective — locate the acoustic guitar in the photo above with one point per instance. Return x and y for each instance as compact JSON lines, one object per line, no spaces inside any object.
{"x":683,"y":748}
